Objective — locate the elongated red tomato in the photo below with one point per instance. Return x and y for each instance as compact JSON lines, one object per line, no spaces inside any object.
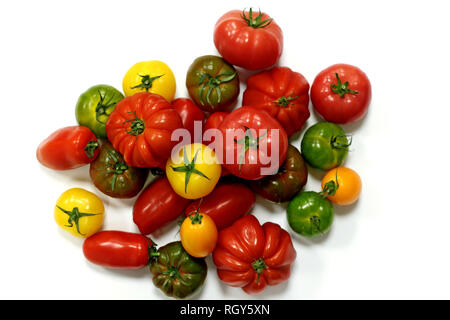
{"x":68,"y":148}
{"x":118,"y":249}
{"x":251,"y":256}
{"x":248,"y":39}
{"x":281,"y":92}
{"x":189,"y":114}
{"x":228,"y":202}
{"x":140,"y":128}
{"x":157,"y":205}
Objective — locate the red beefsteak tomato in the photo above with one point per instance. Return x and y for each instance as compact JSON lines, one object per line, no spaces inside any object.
{"x":119,"y":250}
{"x":157,"y":205}
{"x":228,"y":202}
{"x":281,"y":92}
{"x":249,"y":40}
{"x":254,"y":144}
{"x":251,"y":256}
{"x":68,"y":148}
{"x":140,"y":128}
{"x":341,"y":93}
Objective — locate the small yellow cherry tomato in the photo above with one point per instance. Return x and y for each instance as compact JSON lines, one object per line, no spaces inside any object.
{"x":198,"y":235}
{"x":348,"y":185}
{"x":194,"y":171}
{"x":150,"y":76}
{"x":79,"y":212}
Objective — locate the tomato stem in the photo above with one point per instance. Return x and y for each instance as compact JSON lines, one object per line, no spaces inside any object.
{"x":90,"y":148}
{"x":256,"y":22}
{"x":146,"y":82}
{"x":248,"y":142}
{"x":330,"y":187}
{"x":118,"y":167}
{"x":285,"y":101}
{"x":103,"y":106}
{"x":213,"y":83}
{"x":259,"y":265}
{"x":341,"y":88}
{"x":137,"y":125}
{"x":336,"y":144}
{"x":189,"y":168}
{"x":74,"y":216}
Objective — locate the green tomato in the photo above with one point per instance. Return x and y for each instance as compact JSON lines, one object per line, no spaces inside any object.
{"x":310,"y":214}
{"x":177,"y":273}
{"x":94,"y":107}
{"x":325,"y":145}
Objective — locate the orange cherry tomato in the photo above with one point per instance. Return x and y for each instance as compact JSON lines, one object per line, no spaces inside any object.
{"x":349,"y":185}
{"x":198,"y":234}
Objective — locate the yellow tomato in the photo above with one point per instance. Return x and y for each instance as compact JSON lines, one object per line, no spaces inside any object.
{"x":348,"y":184}
{"x":79,"y":212}
{"x":198,"y":235}
{"x":194,"y":171}
{"x":150,"y":76}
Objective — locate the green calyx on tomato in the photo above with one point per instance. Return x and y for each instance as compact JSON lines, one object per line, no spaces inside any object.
{"x":248,"y":142}
{"x":177,"y":273}
{"x":118,"y":166}
{"x":137,"y":125}
{"x":213,"y":83}
{"x":94,"y":107}
{"x":341,"y":88}
{"x":74,"y":217}
{"x":256,"y":22}
{"x":285,"y":101}
{"x":146,"y":82}
{"x":90,"y":148}
{"x":259,"y":265}
{"x":189,"y":168}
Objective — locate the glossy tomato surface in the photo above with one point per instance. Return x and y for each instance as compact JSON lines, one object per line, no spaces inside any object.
{"x":248,"y":39}
{"x":341,"y":93}
{"x":281,"y":92}
{"x":189,"y":114}
{"x":254,"y":144}
{"x":118,"y":249}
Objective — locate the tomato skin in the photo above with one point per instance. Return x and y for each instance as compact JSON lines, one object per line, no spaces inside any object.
{"x":198,"y":234}
{"x":149,"y":143}
{"x":189,"y":113}
{"x":248,"y":165}
{"x":64,"y":149}
{"x":205,"y":94}
{"x":112,"y":176}
{"x":349,"y":185}
{"x":94,"y":107}
{"x":330,"y":105}
{"x":213,"y":122}
{"x":284,"y":185}
{"x":252,"y":256}
{"x":281,"y":92}
{"x":245,"y":46}
{"x":118,"y":249}
{"x":325,"y":145}
{"x":228,"y":202}
{"x":302,"y":210}
{"x":156,"y":206}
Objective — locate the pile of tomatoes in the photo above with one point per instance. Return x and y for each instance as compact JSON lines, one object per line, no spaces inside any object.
{"x":125,"y":136}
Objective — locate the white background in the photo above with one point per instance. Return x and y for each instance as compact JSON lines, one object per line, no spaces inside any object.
{"x":392,"y":244}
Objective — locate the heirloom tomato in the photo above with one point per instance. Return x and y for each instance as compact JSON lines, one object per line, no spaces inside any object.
{"x":119,"y":250}
{"x":251,"y":256}
{"x":281,"y":92}
{"x":177,"y":273}
{"x":228,"y":202}
{"x":79,"y":212}
{"x":112,"y":176}
{"x":157,"y":205}
{"x":68,"y":148}
{"x":194,"y":171}
{"x":189,"y":114}
{"x":348,"y":182}
{"x":249,"y":40}
{"x":341,"y":93}
{"x":150,"y":76}
{"x":140,"y":128}
{"x":287,"y":182}
{"x":94,"y":107}
{"x":212,"y":83}
{"x":198,"y":234}
{"x":213,"y":122}
{"x":254,"y":143}
{"x":325,"y":145}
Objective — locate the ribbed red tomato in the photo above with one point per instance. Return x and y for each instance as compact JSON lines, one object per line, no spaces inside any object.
{"x":281,"y":92}
{"x":251,"y":256}
{"x":249,"y":40}
{"x":140,"y":128}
